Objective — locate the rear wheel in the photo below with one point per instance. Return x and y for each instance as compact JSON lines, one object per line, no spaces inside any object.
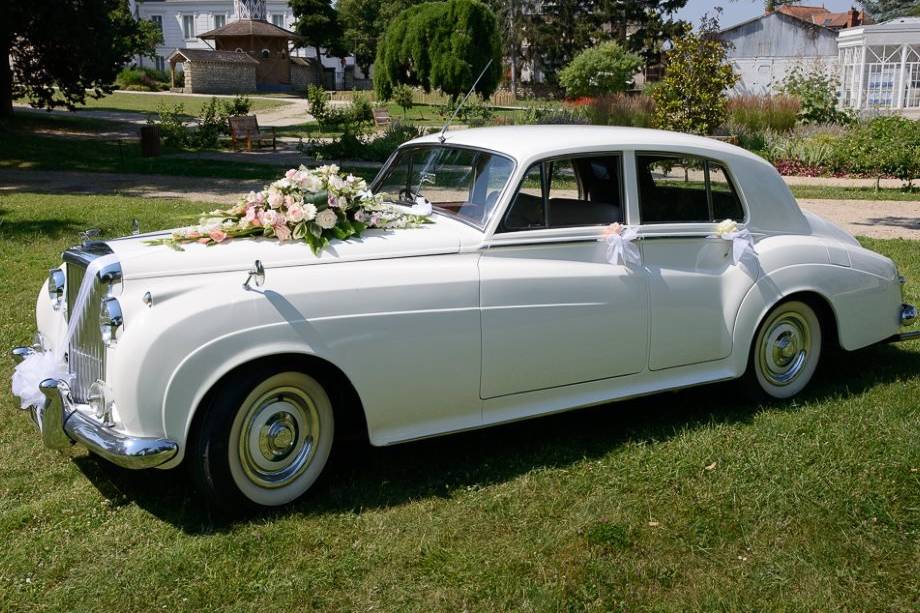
{"x":786,"y":350}
{"x":264,"y":439}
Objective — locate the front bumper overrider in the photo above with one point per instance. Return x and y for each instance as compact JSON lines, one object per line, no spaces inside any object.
{"x":61,"y":424}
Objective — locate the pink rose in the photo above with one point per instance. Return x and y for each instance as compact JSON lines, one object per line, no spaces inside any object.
{"x":291,"y":174}
{"x":295,"y":213}
{"x":282,"y":232}
{"x":269,"y":218}
{"x":204,"y":241}
{"x":275,"y":199}
{"x":218,"y":236}
{"x":288,"y":200}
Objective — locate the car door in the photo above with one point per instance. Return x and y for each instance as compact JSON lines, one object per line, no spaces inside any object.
{"x":694,"y":288}
{"x":555,"y":312}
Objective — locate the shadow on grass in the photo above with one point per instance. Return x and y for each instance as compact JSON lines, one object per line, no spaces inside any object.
{"x":49,"y":228}
{"x":361,"y":477}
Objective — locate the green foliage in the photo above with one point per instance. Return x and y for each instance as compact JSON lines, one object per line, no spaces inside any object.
{"x":620,"y":110}
{"x":355,"y":118}
{"x":317,"y":22}
{"x":171,"y":120}
{"x":442,"y":45}
{"x":474,"y":113}
{"x":238,"y":105}
{"x":816,"y":91}
{"x":58,"y":52}
{"x":553,"y":116}
{"x":691,"y":96}
{"x":142,"y":79}
{"x":754,"y":114}
{"x":318,"y":99}
{"x":887,"y":145}
{"x":403,"y":96}
{"x":603,"y":69}
{"x":883,"y":10}
{"x":210,"y":123}
{"x":351,"y":146}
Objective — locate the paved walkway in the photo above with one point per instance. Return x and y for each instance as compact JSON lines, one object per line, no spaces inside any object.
{"x":875,"y":218}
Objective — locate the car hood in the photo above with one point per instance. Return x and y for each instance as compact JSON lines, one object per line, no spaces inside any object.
{"x":139,"y":259}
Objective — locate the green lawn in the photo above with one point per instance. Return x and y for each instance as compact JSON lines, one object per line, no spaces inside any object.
{"x":854,"y":193}
{"x":695,"y":500}
{"x":149,"y":103}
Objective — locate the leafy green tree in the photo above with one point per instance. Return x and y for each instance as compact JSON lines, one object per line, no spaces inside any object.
{"x":403,"y":96}
{"x":318,"y":24}
{"x":57,"y":52}
{"x":559,"y":31}
{"x":816,"y":91}
{"x":364,"y":22}
{"x":883,"y":10}
{"x":604,"y":69}
{"x":443,"y":45}
{"x":640,"y":26}
{"x":515,"y":24}
{"x":692,"y":95}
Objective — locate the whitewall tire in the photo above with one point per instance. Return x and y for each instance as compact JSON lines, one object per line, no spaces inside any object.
{"x":786,"y":350}
{"x":264,"y":440}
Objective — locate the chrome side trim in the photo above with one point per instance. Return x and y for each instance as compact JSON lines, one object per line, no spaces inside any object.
{"x":903,"y":336}
{"x":61,"y":425}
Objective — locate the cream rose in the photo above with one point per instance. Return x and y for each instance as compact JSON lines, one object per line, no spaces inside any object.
{"x":326,"y":219}
{"x":727,"y":227}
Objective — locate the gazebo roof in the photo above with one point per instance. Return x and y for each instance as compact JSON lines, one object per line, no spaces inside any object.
{"x":251,"y":27}
{"x":207,"y":55}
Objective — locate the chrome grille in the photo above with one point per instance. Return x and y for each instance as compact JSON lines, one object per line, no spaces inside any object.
{"x":86,"y":353}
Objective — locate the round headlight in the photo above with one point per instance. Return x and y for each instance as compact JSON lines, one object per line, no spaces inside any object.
{"x":110,"y":320}
{"x":56,"y":283}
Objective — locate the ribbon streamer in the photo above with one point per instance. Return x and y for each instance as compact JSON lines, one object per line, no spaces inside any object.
{"x":620,"y":246}
{"x":50,"y":364}
{"x":742,"y":244}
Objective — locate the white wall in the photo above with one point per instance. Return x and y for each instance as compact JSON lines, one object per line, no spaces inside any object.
{"x":763,"y":75}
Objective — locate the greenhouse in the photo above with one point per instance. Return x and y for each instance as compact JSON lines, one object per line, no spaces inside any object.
{"x":880,"y":65}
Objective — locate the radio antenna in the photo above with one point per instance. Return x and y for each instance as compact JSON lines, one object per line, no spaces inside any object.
{"x":441,"y":136}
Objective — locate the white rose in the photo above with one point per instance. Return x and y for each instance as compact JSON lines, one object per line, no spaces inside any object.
{"x":311,"y":183}
{"x":309,"y":211}
{"x":727,"y":227}
{"x":326,"y":219}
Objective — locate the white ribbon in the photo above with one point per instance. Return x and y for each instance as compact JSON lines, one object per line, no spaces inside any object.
{"x":742,"y":244}
{"x":50,"y":364}
{"x":421,"y":207}
{"x":621,"y":248}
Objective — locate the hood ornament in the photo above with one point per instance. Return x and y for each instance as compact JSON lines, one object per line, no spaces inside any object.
{"x":256,"y":274}
{"x":135,"y":227}
{"x":90,"y":234}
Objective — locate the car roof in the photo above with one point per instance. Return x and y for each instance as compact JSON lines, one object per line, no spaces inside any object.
{"x":527,"y":142}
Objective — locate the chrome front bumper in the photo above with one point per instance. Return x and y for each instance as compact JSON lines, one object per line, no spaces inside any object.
{"x":908,"y":318}
{"x":61,"y":425}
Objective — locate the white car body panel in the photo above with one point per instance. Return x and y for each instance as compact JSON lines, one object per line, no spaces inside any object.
{"x":448,"y":327}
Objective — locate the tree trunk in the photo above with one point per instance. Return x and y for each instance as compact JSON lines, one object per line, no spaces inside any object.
{"x":514,"y":70}
{"x":319,"y":68}
{"x":6,"y":78}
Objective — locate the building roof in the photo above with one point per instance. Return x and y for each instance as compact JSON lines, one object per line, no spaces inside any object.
{"x":823,"y":17}
{"x":207,"y":55}
{"x":251,"y":27}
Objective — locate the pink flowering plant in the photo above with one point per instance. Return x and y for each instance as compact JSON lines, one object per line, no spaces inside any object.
{"x":314,"y":205}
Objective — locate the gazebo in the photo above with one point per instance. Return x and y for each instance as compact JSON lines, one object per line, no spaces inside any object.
{"x":880,"y":65}
{"x":264,"y":42}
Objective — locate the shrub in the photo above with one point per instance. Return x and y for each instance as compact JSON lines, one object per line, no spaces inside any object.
{"x":691,"y":96}
{"x":816,"y":91}
{"x":474,"y":113}
{"x":619,"y":110}
{"x":552,"y":116}
{"x":885,"y":146}
{"x":403,"y":95}
{"x":209,"y":126}
{"x":318,"y":100}
{"x":142,"y":79}
{"x":748,"y":115}
{"x":172,"y":126}
{"x":354,"y":147}
{"x":604,"y":69}
{"x":356,"y":118}
{"x":238,"y":105}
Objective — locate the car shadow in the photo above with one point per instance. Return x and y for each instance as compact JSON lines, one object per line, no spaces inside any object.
{"x":910,"y":223}
{"x":361,"y":477}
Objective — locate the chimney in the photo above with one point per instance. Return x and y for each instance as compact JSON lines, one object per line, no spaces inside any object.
{"x":852,"y":17}
{"x":769,"y":7}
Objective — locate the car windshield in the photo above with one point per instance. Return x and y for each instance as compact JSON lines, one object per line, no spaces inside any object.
{"x":461,"y":182}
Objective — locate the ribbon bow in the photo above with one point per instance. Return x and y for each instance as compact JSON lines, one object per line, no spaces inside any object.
{"x":620,"y":245}
{"x":741,"y":239}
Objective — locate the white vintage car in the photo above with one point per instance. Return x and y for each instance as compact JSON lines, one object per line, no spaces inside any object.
{"x":507,"y":306}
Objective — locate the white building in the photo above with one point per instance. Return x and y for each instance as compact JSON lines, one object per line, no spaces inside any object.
{"x":880,"y":65}
{"x":183,"y":21}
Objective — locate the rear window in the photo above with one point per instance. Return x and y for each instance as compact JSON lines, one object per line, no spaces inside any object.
{"x":685,"y":189}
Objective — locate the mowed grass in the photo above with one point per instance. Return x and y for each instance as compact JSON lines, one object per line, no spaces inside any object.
{"x":150,"y":103}
{"x":697,"y":500}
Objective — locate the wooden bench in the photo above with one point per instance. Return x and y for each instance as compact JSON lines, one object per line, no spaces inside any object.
{"x":246,"y":128}
{"x":381,"y":118}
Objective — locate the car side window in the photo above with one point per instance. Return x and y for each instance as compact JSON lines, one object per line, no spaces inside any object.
{"x":567,"y":192}
{"x":684,"y":189}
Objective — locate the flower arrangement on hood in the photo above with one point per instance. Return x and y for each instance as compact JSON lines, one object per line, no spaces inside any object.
{"x":314,"y":205}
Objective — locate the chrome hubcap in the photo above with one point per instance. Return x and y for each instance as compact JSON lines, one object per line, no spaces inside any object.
{"x":784,"y":349}
{"x":278,"y":436}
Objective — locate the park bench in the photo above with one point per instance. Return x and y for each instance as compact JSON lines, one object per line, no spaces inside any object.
{"x":246,"y":128}
{"x":381,"y":118}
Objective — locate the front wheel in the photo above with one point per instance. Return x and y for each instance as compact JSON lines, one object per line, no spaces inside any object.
{"x":264,"y":438}
{"x":786,"y":350}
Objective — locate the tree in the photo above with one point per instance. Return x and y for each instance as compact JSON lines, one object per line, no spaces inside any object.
{"x":641,"y":26}
{"x":883,"y":10}
{"x":442,"y":45}
{"x":60,"y":51}
{"x":364,"y":22}
{"x":692,"y":95}
{"x":604,"y":69}
{"x":559,"y":31}
{"x":514,"y":24}
{"x":318,"y":24}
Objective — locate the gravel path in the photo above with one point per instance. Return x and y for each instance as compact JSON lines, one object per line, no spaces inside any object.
{"x":875,"y":218}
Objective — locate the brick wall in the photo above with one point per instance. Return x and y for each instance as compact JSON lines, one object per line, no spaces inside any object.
{"x":219,"y":78}
{"x":301,"y":76}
